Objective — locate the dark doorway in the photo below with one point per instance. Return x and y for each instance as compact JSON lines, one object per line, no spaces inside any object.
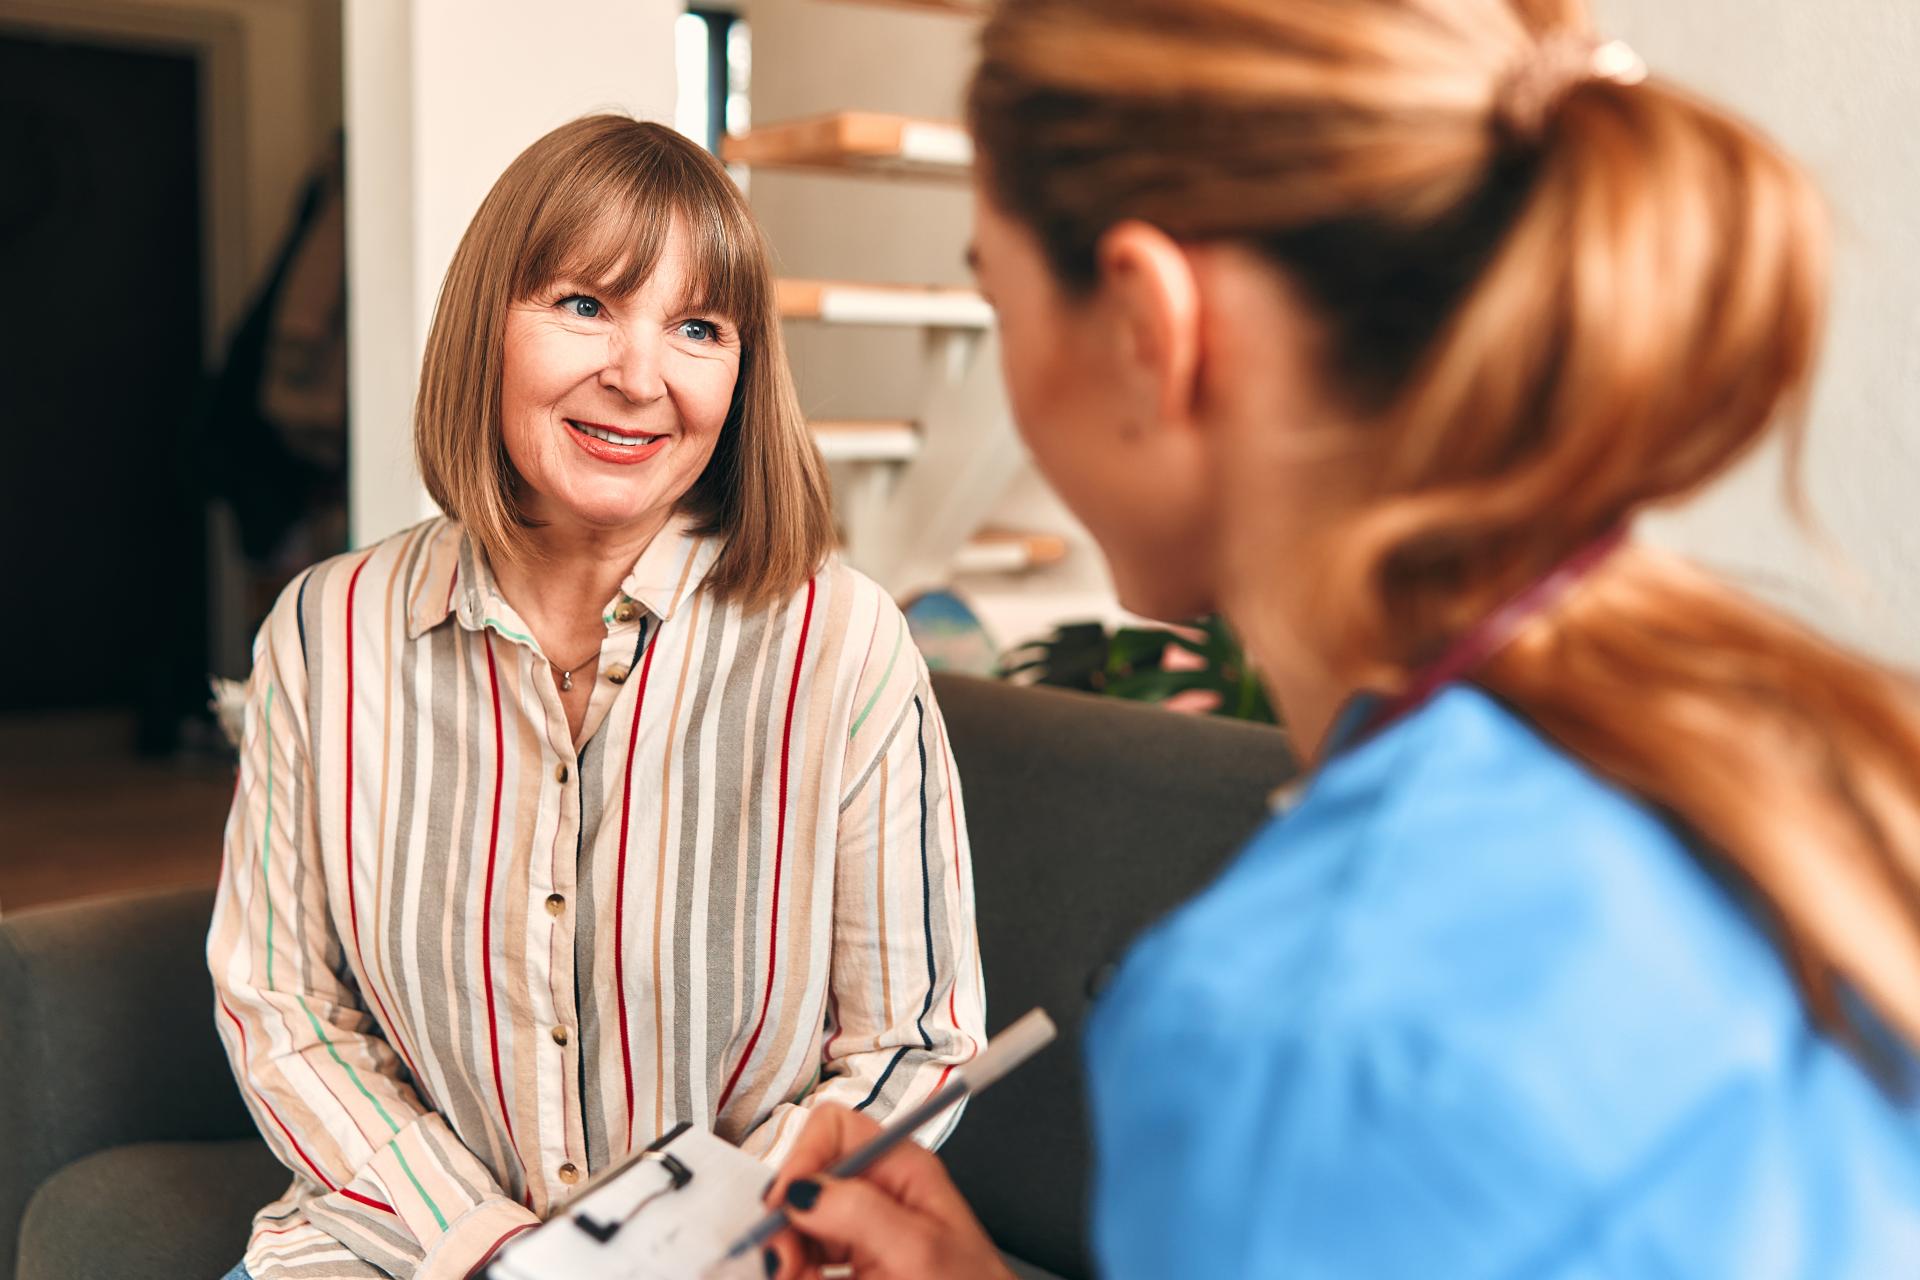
{"x":100,"y":361}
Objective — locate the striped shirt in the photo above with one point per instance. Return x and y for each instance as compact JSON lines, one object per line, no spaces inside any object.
{"x":461,"y":966}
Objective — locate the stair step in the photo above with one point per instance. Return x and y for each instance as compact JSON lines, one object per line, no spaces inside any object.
{"x":1006,"y":551}
{"x":969,"y":8}
{"x":859,"y":142}
{"x":866,"y":440}
{"x":834,"y":302}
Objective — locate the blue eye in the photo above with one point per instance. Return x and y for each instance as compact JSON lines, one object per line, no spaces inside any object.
{"x":579,"y":304}
{"x":700,"y":330}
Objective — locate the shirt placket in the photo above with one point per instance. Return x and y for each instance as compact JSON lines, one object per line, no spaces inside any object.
{"x":567,"y":846}
{"x":550,"y":887}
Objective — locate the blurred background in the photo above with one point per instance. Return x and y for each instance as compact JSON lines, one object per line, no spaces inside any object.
{"x":225,"y":222}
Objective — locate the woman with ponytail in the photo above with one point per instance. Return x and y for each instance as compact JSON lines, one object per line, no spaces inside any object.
{"x":1592,"y":945}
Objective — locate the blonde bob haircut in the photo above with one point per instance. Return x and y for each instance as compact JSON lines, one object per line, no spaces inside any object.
{"x":592,"y":202}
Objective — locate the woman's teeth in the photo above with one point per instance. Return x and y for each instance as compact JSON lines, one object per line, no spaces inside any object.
{"x":630,"y":442}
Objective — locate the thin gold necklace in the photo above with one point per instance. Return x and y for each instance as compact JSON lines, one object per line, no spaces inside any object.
{"x":566,"y":677}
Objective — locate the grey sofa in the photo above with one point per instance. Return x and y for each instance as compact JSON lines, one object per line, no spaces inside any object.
{"x":125,"y":1152}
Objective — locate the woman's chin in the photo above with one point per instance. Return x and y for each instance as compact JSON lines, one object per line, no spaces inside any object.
{"x":1167,"y":603}
{"x":605,"y":513}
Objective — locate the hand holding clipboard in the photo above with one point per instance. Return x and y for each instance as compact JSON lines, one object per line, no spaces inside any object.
{"x":690,"y":1204}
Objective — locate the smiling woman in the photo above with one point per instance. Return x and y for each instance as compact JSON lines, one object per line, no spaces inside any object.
{"x":614,"y":250}
{"x":608,"y":801}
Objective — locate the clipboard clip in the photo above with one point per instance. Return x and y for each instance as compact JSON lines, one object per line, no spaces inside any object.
{"x":678,"y":1176}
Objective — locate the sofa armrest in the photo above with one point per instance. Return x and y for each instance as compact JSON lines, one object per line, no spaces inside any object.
{"x":106,"y":1038}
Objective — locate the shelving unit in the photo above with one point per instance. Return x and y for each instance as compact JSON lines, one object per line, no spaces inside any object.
{"x":837,"y":302}
{"x":862,"y":142}
{"x":965,"y":8}
{"x":914,"y":492}
{"x":866,"y":441}
{"x":1005,"y":551}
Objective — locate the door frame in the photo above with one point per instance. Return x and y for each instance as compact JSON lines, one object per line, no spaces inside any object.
{"x":249,"y":107}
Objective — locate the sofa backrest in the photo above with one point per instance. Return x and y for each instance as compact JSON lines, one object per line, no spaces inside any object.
{"x":106,"y":1037}
{"x":1089,"y":818}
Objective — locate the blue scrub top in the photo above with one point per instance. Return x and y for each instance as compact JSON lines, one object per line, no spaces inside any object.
{"x":1469,"y":1011}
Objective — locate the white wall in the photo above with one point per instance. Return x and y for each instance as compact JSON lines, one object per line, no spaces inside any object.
{"x":1834,"y":81}
{"x":440,"y":96}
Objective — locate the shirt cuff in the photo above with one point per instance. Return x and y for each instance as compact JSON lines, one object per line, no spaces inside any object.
{"x":471,"y":1238}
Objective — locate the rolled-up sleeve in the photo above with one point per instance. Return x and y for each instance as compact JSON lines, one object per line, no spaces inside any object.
{"x":331,"y":1095}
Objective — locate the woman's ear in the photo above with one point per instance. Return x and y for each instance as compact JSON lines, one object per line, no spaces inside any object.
{"x":1148,"y":281}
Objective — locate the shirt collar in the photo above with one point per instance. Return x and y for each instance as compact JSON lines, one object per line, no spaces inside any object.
{"x":451,"y":577}
{"x":673,"y":566}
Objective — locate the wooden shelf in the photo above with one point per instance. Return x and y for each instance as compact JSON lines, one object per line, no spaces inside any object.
{"x":1006,"y":551}
{"x":857,"y":142}
{"x":866,"y":441}
{"x":964,"y":8}
{"x":836,"y":302}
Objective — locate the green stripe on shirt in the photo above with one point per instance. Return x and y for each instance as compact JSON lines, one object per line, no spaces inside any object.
{"x":881,"y":687}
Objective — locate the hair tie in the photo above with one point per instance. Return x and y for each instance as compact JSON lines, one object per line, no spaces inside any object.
{"x":1555,"y":67}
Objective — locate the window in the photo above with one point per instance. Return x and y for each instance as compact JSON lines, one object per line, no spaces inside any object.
{"x":713,"y":55}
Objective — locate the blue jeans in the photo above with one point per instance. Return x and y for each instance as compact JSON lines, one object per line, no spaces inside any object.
{"x":239,"y":1272}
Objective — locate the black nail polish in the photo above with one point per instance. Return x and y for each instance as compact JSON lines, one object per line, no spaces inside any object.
{"x":771,"y":1261}
{"x":804,"y":1194}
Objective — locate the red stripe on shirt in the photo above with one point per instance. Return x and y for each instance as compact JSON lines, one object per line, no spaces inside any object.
{"x":953,"y":821}
{"x":298,"y":1149}
{"x":368,"y":1201}
{"x":486,"y":905}
{"x":620,"y":887}
{"x":779,"y":851}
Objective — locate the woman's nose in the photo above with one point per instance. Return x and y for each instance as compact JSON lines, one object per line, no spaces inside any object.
{"x":634,"y":366}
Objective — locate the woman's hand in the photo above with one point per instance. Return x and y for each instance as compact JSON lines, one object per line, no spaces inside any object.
{"x":903,"y":1219}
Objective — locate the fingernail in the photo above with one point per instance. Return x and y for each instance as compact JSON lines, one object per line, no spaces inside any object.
{"x":771,"y":1261}
{"x":804,"y":1194}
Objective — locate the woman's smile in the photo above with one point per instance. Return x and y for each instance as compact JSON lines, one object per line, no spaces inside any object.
{"x":617,"y":445}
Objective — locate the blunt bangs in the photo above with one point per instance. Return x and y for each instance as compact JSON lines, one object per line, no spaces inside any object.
{"x":604,"y":223}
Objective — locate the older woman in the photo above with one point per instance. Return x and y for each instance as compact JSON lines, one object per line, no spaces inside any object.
{"x":607,"y":801}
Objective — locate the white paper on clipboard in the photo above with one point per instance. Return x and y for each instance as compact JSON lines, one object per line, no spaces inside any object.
{"x":634,"y":1223}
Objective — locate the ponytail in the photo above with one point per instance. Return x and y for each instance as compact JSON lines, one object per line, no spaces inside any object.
{"x":1548,"y":332}
{"x":1792,"y":762}
{"x":1654,"y":307}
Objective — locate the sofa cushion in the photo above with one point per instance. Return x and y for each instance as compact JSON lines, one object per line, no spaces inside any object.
{"x":179,"y":1210}
{"x":1089,"y":818}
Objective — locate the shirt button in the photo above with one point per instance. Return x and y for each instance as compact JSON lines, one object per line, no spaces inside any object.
{"x":625,"y":611}
{"x":556,"y":904}
{"x":559,"y":1035}
{"x":561,"y":774}
{"x":617,"y":673}
{"x":569,"y":1174}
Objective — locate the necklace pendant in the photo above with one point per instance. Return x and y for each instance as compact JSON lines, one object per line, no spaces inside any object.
{"x":566,"y":682}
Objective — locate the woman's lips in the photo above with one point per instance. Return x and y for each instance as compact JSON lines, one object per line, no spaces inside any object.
{"x":610,"y":444}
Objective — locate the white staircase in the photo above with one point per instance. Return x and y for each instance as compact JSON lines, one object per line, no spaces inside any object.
{"x":914,"y":493}
{"x":971,"y":8}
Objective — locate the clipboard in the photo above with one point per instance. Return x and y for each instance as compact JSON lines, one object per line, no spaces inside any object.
{"x":664,"y":1214}
{"x":690,"y":1205}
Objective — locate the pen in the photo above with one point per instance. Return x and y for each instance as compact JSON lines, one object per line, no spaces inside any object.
{"x":1013,"y":1046}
